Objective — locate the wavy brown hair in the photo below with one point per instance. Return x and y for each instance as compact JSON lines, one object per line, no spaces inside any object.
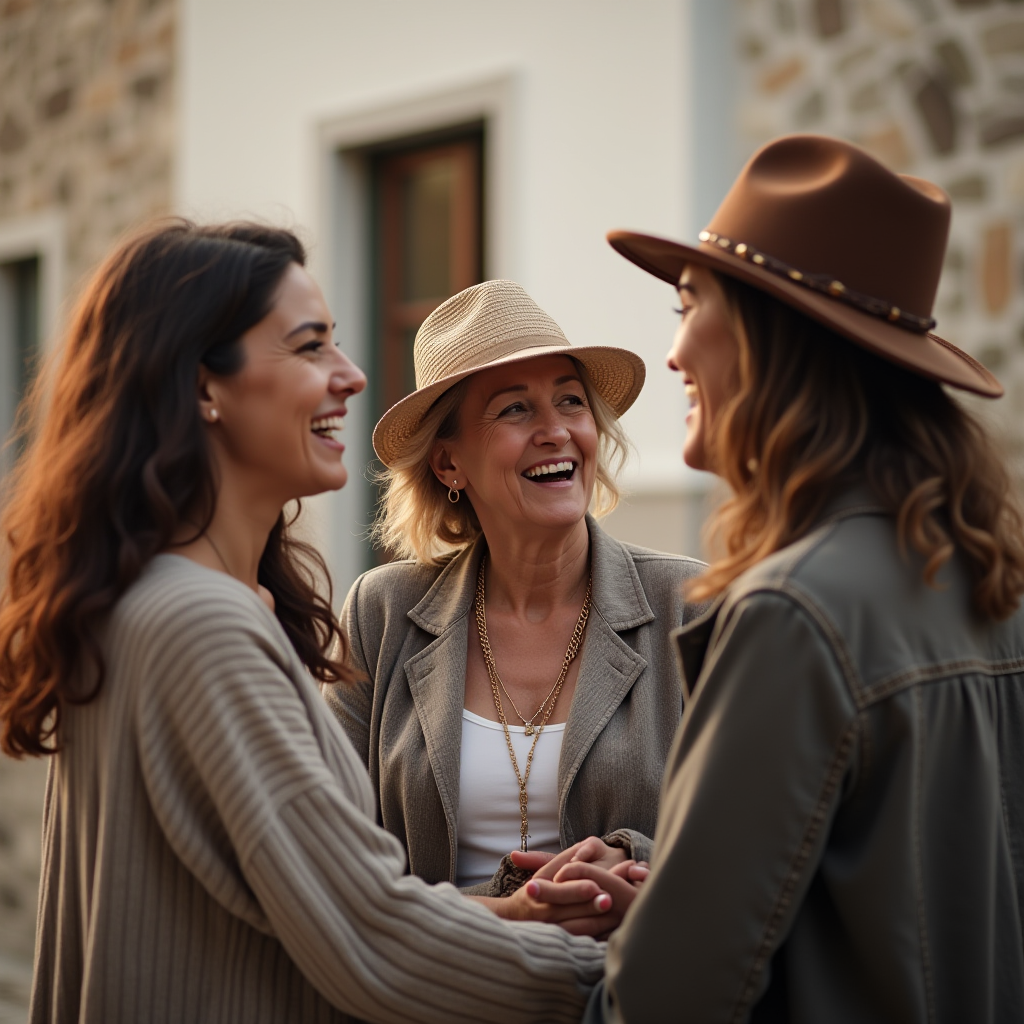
{"x":814,"y":414}
{"x":117,"y":461}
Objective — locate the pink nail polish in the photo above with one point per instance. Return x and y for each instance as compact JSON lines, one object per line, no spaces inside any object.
{"x":532,"y":889}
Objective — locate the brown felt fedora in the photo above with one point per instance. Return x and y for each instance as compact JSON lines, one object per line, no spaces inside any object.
{"x":491,"y":324}
{"x":823,"y":226}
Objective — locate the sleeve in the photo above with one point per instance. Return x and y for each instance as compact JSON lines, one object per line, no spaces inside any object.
{"x":751,"y":785}
{"x":636,"y":844}
{"x":352,"y":703}
{"x":240,"y":787}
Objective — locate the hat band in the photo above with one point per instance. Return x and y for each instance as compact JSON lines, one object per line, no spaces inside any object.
{"x":822,"y":283}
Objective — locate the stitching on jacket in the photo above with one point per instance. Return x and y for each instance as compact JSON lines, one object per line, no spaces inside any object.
{"x":799,"y":863}
{"x":889,"y":685}
{"x":835,"y":640}
{"x":922,"y":925}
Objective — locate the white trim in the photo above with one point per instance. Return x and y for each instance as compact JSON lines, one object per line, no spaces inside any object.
{"x":340,"y":191}
{"x":41,"y":235}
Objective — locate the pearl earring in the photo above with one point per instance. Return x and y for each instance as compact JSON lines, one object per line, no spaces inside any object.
{"x":213,"y":415}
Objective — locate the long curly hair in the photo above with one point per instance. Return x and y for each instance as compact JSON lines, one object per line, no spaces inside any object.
{"x":117,"y":461}
{"x":815,"y":413}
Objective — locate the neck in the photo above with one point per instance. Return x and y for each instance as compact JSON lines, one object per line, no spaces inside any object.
{"x":533,"y":575}
{"x":236,"y":537}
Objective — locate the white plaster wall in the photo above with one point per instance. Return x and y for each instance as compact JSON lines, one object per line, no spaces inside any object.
{"x":598,"y":136}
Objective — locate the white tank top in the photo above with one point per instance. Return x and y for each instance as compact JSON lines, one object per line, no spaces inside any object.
{"x":489,"y":795}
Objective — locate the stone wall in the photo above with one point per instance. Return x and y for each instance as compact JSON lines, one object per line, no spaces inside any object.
{"x":86,"y":128}
{"x":86,"y":116}
{"x":933,"y":88}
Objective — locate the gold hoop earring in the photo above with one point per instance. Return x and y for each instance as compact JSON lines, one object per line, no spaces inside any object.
{"x":457,"y":493}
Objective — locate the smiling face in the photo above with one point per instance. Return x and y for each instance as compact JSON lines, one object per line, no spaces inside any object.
{"x":706,"y":352}
{"x":526,"y":450}
{"x":276,"y":422}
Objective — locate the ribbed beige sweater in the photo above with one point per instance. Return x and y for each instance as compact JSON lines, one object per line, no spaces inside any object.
{"x":210,"y":853}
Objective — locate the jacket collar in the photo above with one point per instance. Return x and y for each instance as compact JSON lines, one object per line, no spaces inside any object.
{"x":617,"y":592}
{"x":691,"y":641}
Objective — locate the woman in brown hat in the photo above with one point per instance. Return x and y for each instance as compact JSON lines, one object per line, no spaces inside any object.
{"x":841,"y":830}
{"x":518,"y":690}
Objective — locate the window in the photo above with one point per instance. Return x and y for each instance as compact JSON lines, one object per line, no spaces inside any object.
{"x":19,"y":336}
{"x":428,"y":235}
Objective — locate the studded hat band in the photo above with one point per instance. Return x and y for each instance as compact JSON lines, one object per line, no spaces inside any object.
{"x":822,"y":283}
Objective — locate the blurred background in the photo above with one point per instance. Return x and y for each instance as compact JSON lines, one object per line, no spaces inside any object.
{"x":419,"y":146}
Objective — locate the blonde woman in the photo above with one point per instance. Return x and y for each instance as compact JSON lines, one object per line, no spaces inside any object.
{"x":518,"y":689}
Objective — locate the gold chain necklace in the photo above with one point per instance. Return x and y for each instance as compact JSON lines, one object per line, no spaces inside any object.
{"x":552,"y":698}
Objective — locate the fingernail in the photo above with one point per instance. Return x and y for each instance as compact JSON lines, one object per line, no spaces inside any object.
{"x":604,"y":902}
{"x":532,"y":889}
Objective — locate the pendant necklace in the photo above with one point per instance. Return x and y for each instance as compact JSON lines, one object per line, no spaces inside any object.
{"x":547,"y":705}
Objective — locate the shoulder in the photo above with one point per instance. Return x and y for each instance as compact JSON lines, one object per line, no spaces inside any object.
{"x":856,"y":558}
{"x":869,"y":601}
{"x":178,"y":605}
{"x":648,"y":563}
{"x":641,"y":585}
{"x":400,"y":583}
{"x":657,"y":564}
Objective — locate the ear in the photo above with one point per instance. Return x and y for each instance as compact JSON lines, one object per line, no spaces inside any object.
{"x":206,"y":394}
{"x":445,"y":465}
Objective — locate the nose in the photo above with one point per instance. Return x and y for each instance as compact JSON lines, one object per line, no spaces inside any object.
{"x":672,"y":359}
{"x":347,"y":378}
{"x":551,"y":429}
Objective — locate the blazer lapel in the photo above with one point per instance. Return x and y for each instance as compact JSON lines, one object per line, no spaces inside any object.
{"x":608,"y":665}
{"x":437,"y":680}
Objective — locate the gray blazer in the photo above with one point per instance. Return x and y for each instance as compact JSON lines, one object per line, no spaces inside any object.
{"x":408,"y":623}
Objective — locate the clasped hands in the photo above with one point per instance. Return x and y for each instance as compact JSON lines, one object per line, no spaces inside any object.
{"x":586,"y":888}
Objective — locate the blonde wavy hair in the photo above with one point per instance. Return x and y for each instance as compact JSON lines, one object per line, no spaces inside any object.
{"x":815,"y":413}
{"x":416,"y":520}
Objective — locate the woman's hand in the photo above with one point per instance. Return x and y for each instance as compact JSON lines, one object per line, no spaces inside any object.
{"x":621,"y":884}
{"x":592,"y":850}
{"x":579,"y":904}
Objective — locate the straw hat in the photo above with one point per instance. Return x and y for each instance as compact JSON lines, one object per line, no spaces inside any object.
{"x":821,"y":225}
{"x":487,"y":325}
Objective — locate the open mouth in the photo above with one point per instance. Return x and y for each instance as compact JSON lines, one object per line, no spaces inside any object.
{"x":549,"y":471}
{"x":328,"y":427}
{"x":690,"y":390}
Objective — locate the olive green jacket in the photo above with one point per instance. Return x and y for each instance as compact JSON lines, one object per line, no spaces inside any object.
{"x":408,"y":624}
{"x":841,"y":831}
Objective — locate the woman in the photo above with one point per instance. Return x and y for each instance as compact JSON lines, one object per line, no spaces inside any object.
{"x":209,"y":847}
{"x":840,"y":836}
{"x":516,"y":690}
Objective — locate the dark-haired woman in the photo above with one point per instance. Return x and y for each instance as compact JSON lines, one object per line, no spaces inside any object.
{"x":840,"y":837}
{"x":210,"y":852}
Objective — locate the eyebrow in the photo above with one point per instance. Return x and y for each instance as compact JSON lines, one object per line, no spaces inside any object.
{"x":559,"y":381}
{"x":502,"y":391}
{"x":686,"y":288}
{"x":310,"y":325}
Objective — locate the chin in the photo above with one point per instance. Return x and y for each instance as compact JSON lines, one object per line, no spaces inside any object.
{"x":564,"y":517}
{"x":324,"y":482}
{"x":694,"y":456}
